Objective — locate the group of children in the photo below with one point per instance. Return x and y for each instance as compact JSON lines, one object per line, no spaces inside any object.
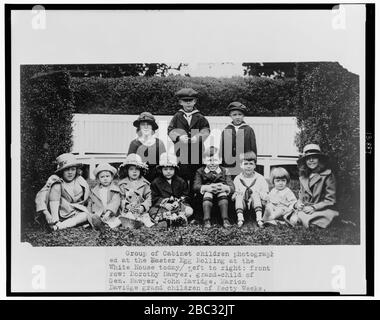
{"x":220,"y":176}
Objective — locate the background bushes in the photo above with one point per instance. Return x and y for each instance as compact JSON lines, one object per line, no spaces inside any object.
{"x":132,"y":95}
{"x":46,"y":115}
{"x":328,"y":114}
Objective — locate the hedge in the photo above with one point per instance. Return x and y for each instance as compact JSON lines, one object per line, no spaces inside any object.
{"x":133,"y":95}
{"x":46,"y":115}
{"x":328,"y":114}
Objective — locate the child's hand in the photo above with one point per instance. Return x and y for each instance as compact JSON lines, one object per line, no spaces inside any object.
{"x":175,"y":204}
{"x":140,"y":209}
{"x":300,"y":205}
{"x":107,"y":215}
{"x":308,"y":210}
{"x":168,"y":206}
{"x":183,"y":139}
{"x":194,"y":139}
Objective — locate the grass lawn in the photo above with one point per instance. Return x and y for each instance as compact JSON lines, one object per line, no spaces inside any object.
{"x":337,"y":233}
{"x":250,"y":234}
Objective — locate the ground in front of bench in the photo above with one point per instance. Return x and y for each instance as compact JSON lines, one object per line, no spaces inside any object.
{"x":195,"y":235}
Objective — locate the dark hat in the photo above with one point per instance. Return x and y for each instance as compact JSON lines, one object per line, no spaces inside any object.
{"x":146,"y":117}
{"x":311,"y":150}
{"x":236,"y":105}
{"x":186,"y":94}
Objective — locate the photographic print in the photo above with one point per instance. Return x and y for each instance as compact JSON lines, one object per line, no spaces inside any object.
{"x":217,"y":157}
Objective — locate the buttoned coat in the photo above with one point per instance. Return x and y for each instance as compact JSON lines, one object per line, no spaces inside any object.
{"x":206,"y":178}
{"x":141,"y":189}
{"x":199,"y":127}
{"x":234,"y":142}
{"x":319,"y":191}
{"x":162,"y":189}
{"x":95,"y":204}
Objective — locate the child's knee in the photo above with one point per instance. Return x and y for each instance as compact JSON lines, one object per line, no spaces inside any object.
{"x":208,"y":196}
{"x":188,"y":211}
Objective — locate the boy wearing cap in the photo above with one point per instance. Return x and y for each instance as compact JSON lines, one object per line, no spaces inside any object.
{"x":188,"y":130}
{"x":170,"y":193}
{"x":104,"y":201}
{"x":237,"y":138}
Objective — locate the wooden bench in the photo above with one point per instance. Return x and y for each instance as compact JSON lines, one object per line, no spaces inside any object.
{"x":104,"y":137}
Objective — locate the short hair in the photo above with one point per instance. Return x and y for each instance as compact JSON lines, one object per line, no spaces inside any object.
{"x":279,"y":173}
{"x":123,"y":171}
{"x":77,"y":174}
{"x":248,"y":156}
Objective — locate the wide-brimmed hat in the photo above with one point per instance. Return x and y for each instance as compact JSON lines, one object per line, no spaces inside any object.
{"x":66,"y":160}
{"x":236,"y":105}
{"x":134,"y":159}
{"x":146,"y":117}
{"x":186,"y":94}
{"x":168,"y":160}
{"x":104,"y":167}
{"x":311,"y":150}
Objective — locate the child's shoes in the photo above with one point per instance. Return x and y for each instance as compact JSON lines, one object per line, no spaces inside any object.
{"x":240,"y":223}
{"x":260,"y":223}
{"x":226,"y":224}
{"x":207,"y":224}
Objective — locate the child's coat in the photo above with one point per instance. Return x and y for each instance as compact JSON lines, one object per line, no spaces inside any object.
{"x":68,"y":205}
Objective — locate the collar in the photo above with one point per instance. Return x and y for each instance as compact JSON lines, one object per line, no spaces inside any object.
{"x":111,"y":187}
{"x":188,"y":114}
{"x":207,"y":170}
{"x":237,"y":127}
{"x":142,"y":182}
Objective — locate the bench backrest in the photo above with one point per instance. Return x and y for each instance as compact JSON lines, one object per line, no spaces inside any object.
{"x":106,"y":133}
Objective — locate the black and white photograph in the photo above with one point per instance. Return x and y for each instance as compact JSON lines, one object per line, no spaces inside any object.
{"x":188,"y":151}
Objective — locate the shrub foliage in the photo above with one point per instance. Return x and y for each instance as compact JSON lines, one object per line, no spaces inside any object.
{"x":133,"y":95}
{"x":328,"y":114}
{"x":46,"y":115}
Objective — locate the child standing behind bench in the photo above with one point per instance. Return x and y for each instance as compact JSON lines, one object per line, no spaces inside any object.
{"x":237,"y":138}
{"x":251,"y":189}
{"x":188,"y":130}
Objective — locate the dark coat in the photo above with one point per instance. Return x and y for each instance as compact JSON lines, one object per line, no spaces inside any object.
{"x":199,"y":127}
{"x":203,"y":178}
{"x":230,"y":150}
{"x":161,"y":189}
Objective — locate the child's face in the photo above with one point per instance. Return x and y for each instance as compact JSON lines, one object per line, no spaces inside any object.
{"x":69,"y":174}
{"x":133,"y":173}
{"x":312,"y":162}
{"x":212,"y":163}
{"x":168,"y":172}
{"x":279,"y":183}
{"x":237,"y":117}
{"x":188,"y":105}
{"x":146,"y":128}
{"x":248,"y":166}
{"x":105,"y":178}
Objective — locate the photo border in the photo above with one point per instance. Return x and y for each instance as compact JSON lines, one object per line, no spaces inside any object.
{"x":369,"y":124}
